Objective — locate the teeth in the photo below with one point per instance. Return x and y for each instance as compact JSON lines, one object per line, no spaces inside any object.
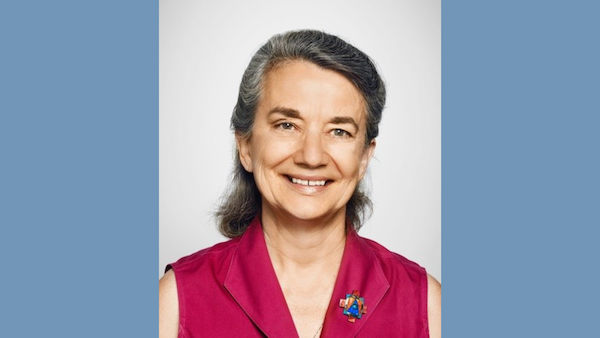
{"x":308,"y":183}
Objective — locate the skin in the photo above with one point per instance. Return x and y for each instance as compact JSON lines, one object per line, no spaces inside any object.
{"x":309,"y":125}
{"x":168,"y":306}
{"x":434,"y":307}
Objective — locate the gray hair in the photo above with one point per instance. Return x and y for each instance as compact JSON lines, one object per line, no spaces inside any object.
{"x":242,"y":202}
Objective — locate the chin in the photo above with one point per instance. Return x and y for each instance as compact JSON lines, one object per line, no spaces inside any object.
{"x":309,"y":213}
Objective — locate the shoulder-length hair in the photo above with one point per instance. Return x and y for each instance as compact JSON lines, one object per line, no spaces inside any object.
{"x":242,"y":201}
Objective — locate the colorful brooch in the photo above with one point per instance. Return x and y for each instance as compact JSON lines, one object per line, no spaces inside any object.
{"x":354,"y":306}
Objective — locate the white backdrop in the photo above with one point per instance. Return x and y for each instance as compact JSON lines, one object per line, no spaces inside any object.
{"x":204,"y":49}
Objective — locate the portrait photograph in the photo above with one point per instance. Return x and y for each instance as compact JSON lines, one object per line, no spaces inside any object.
{"x":205,"y":48}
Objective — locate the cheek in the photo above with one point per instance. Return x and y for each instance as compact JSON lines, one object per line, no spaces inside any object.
{"x":266,"y":156}
{"x":349,"y":160}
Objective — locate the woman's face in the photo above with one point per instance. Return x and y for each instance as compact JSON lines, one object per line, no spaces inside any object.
{"x":307,"y":149}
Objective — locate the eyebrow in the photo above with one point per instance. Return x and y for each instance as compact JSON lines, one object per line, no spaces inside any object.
{"x":344,"y":120}
{"x":293,"y":113}
{"x":287,"y":112}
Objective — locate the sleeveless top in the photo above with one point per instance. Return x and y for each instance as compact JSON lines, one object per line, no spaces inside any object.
{"x":231,"y":290}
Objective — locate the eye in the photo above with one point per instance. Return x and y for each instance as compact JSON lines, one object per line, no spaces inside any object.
{"x":285,"y":126}
{"x":341,"y":133}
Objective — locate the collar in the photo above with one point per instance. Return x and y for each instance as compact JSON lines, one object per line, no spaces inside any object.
{"x":252,"y":282}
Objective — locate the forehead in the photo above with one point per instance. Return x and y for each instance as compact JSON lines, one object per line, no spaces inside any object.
{"x":310,"y":89}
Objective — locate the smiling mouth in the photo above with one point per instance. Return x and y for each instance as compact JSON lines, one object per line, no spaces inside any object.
{"x":307,"y":182}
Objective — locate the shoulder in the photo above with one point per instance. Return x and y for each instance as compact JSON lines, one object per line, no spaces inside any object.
{"x":393,"y":261}
{"x":410,"y":282}
{"x":208,"y":267}
{"x":405,"y":277}
{"x":212,"y":256}
{"x":205,"y":267}
{"x":168,"y":306}
{"x":434,"y":306}
{"x":402,"y":270}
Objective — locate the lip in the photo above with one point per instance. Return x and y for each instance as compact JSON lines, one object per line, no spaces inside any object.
{"x":308,"y":189}
{"x":309,"y":178}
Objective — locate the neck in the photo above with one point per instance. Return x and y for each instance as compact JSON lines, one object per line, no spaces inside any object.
{"x":304,"y":244}
{"x":306,"y":257}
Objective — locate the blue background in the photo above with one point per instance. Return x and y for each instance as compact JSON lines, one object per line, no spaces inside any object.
{"x":79,"y":153}
{"x":520,"y":165}
{"x":79,"y":162}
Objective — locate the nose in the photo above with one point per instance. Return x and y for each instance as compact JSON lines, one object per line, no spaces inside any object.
{"x":311,"y":151}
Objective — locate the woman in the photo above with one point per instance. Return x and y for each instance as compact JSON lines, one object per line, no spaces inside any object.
{"x":305,"y":124}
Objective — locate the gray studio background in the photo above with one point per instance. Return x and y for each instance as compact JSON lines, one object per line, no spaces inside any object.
{"x":204,"y":49}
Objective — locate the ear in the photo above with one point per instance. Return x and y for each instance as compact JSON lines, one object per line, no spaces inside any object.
{"x":366,"y":157}
{"x":243,"y":147}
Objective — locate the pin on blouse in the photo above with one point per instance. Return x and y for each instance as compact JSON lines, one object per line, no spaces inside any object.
{"x":354,"y":306}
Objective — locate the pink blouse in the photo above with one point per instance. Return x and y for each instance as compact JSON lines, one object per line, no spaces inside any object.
{"x":231,"y":290}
